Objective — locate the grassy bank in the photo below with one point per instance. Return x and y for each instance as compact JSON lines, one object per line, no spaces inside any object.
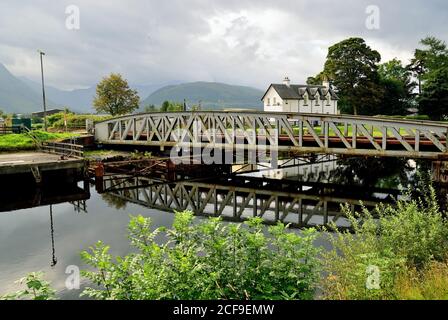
{"x":23,"y":141}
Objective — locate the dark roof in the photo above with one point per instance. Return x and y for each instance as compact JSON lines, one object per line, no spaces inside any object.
{"x":296,"y":91}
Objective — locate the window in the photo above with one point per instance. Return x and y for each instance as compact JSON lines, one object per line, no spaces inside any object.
{"x":275,"y":101}
{"x":269,"y":101}
{"x":328,"y":100}
{"x":305,"y":100}
{"x":317,"y":100}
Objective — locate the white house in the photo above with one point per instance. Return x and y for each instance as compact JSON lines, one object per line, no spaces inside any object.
{"x":300,"y":98}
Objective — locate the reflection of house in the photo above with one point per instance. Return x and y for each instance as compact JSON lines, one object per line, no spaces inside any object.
{"x":289,"y":97}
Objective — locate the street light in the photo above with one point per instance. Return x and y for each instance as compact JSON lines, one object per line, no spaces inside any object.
{"x":43,"y":88}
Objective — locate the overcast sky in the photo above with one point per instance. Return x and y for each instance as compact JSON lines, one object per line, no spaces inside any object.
{"x":234,"y":41}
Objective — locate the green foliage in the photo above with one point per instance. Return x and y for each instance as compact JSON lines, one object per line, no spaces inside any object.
{"x":113,"y":96}
{"x":434,"y":99}
{"x":150,"y":108}
{"x":171,"y":106}
{"x":23,"y":141}
{"x":431,"y":283}
{"x":411,"y":234}
{"x":397,"y":84}
{"x":206,"y":260}
{"x":352,"y":67}
{"x":77,"y":120}
{"x":36,"y":289}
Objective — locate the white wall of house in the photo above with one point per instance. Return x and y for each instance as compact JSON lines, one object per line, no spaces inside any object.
{"x":319,"y":106}
{"x":273,"y":103}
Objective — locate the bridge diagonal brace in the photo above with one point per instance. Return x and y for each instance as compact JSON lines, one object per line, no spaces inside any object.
{"x":400,"y":138}
{"x":434,"y":140}
{"x":313,"y":133}
{"x":340,"y":135}
{"x":367,"y":134}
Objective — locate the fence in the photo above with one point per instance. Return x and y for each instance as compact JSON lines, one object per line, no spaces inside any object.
{"x":11,"y":129}
{"x":64,"y":149}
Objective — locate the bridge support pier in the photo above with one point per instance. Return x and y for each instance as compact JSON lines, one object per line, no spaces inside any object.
{"x":439,"y":170}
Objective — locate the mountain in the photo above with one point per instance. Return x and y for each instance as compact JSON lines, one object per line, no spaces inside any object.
{"x":80,"y":100}
{"x":16,"y":96}
{"x":213,"y":95}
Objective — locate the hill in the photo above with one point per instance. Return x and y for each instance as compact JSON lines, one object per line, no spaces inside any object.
{"x":16,"y":96}
{"x":212,"y":95}
{"x":80,"y":100}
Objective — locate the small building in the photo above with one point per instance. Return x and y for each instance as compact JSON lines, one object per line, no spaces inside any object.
{"x":2,"y":122}
{"x":301,"y":98}
{"x":40,"y":114}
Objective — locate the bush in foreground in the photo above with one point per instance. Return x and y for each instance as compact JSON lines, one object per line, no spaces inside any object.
{"x":386,"y":248}
{"x":207,"y":260}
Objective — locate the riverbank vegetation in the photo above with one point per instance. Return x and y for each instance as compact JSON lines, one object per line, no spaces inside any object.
{"x":393,"y":252}
{"x":24,"y":141}
{"x":206,"y":260}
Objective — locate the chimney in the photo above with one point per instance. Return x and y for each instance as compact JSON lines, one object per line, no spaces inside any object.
{"x":287,"y":82}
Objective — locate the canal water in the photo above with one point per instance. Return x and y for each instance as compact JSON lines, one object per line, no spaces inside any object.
{"x":45,"y":230}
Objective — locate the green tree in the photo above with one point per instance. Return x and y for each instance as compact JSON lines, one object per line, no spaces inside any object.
{"x":434,"y":99}
{"x":165,"y":106}
{"x":433,"y":56}
{"x":351,"y":65}
{"x":114,"y":96}
{"x":150,"y":108}
{"x":397,"y":88}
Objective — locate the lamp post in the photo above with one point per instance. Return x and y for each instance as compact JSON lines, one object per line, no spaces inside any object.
{"x":43,"y":88}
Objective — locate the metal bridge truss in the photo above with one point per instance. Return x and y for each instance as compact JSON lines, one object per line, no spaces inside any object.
{"x":238,"y":203}
{"x":278,"y":132}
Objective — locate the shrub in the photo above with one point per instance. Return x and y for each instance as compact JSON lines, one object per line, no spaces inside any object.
{"x":76,"y":120}
{"x":36,"y":289}
{"x":431,"y":283}
{"x":393,"y":239}
{"x":206,"y":260}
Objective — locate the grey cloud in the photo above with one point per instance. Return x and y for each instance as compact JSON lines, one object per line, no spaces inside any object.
{"x":241,"y":42}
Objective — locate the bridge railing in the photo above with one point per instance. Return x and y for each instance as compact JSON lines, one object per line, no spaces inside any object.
{"x":63,"y":149}
{"x":292,"y":132}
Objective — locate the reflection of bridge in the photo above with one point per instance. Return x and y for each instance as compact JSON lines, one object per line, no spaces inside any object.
{"x":291,"y":132}
{"x":22,"y":197}
{"x":305,"y":204}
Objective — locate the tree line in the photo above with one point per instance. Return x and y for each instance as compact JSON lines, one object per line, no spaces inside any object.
{"x":366,"y":86}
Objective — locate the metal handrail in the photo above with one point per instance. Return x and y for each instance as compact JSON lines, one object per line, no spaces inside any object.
{"x":64,"y":149}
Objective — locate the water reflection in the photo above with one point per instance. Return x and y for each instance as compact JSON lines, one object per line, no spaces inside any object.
{"x":237,"y":198}
{"x":78,"y":217}
{"x":53,"y":251}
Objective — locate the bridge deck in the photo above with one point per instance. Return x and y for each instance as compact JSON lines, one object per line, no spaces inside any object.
{"x":298,"y":133}
{"x":22,"y":162}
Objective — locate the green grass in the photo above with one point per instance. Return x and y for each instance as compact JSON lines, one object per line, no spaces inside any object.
{"x":23,"y":141}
